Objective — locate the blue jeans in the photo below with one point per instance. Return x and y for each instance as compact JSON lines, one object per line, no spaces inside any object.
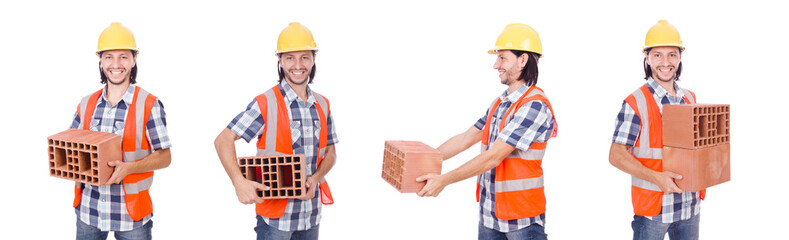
{"x":645,"y":229}
{"x":534,"y":231}
{"x":266,"y":232}
{"x":88,"y":232}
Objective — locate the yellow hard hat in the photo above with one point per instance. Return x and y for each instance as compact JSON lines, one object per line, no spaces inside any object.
{"x":295,"y":37}
{"x":518,"y":36}
{"x":663,"y":34}
{"x":116,"y":37}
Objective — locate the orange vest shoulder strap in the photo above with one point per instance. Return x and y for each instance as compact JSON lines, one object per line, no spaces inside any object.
{"x":695,"y":100}
{"x":324,"y":132}
{"x":129,"y":137}
{"x":91,"y":106}
{"x":149,"y":102}
{"x":283,"y":142}
{"x":263,"y":108}
{"x":655,"y":119}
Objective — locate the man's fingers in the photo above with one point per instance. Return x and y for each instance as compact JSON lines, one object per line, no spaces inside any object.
{"x":674,"y":175}
{"x":261,"y":186}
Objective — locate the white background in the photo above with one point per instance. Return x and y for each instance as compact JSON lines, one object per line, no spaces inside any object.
{"x":395,"y":70}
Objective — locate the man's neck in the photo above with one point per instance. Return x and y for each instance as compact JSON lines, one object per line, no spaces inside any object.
{"x":514,"y":86}
{"x":668,"y":86}
{"x":300,"y":90}
{"x":115,"y":91}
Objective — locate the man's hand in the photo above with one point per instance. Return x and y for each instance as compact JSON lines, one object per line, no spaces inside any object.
{"x":665,"y":180}
{"x":309,"y":186}
{"x":433,"y":186}
{"x":120,"y":171}
{"x":157,"y":160}
{"x":246,"y":190}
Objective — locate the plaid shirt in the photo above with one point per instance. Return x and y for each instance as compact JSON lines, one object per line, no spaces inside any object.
{"x":104,"y":206}
{"x":532,"y":122}
{"x":305,"y":130}
{"x":676,"y":206}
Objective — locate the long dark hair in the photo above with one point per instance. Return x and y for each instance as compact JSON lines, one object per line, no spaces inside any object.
{"x":282,"y":72}
{"x":132,"y":76}
{"x":529,"y":72}
{"x":648,"y":69}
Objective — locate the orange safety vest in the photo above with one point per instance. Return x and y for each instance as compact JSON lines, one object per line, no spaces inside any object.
{"x":279,"y":142}
{"x":135,"y":147}
{"x":646,"y":196}
{"x":519,"y":180}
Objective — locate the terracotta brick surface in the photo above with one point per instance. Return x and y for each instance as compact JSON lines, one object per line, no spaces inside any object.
{"x":82,"y":155}
{"x":700,"y":168}
{"x":694,"y":126}
{"x":404,"y":161}
{"x":283,"y":174}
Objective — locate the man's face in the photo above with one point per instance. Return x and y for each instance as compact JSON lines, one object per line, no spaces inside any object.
{"x":297,"y":66}
{"x":509,"y":66}
{"x":117,"y":65}
{"x":664,"y":62}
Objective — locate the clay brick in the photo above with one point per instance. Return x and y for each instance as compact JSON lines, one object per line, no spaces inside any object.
{"x":82,"y":155}
{"x":694,"y":126}
{"x":700,"y":168}
{"x":404,"y":161}
{"x":283,"y":174}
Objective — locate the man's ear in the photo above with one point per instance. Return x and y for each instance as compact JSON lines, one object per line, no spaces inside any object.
{"x":523,"y":59}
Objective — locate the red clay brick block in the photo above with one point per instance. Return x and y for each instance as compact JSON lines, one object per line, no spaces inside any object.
{"x":283,"y":174}
{"x":404,"y":161}
{"x":82,"y":155}
{"x":694,"y":126}
{"x":700,"y":168}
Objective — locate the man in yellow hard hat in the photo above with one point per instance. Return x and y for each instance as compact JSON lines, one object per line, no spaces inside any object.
{"x":123,"y":204}
{"x":514,"y":133}
{"x":659,"y":205}
{"x":289,"y":118}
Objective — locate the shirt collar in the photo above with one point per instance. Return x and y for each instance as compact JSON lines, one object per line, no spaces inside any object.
{"x":291,"y":96}
{"x":127,"y":98}
{"x":512,"y":97}
{"x":660,"y":91}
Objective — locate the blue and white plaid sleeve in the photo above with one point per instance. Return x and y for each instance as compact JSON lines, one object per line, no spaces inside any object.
{"x":157,"y":127}
{"x":481,"y":122}
{"x":75,"y":122}
{"x":628,"y":126}
{"x":332,"y":138}
{"x":248,"y":123}
{"x":532,"y":122}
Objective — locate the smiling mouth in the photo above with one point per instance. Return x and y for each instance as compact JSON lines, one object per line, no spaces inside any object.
{"x":298,"y":73}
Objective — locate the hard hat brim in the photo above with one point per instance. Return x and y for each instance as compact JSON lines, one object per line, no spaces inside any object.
{"x":136,"y":50}
{"x":296,"y":50}
{"x":495,"y":50}
{"x":682,"y":48}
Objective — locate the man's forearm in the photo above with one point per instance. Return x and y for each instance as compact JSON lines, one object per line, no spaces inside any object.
{"x":460,"y":143}
{"x":623,"y":160}
{"x":157,"y":160}
{"x":226,"y":151}
{"x":327,"y":163}
{"x":481,"y":163}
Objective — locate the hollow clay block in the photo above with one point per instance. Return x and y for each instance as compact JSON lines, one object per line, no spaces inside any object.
{"x":83,"y":156}
{"x":404,"y":161}
{"x":694,"y":126}
{"x":700,"y":168}
{"x":283,"y":174}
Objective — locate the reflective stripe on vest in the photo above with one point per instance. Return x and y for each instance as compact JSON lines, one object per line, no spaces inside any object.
{"x":135,"y":147}
{"x":647,"y":198}
{"x":277,"y":140}
{"x":519,"y":181}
